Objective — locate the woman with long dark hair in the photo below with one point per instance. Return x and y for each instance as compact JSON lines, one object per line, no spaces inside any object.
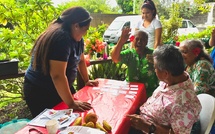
{"x":57,"y":55}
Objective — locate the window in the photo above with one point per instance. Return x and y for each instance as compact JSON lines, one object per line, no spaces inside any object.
{"x":127,"y":24}
{"x":184,"y":24}
{"x":190,"y":24}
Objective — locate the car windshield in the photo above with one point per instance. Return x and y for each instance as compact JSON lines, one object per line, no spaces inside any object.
{"x":115,"y":25}
{"x":190,"y":24}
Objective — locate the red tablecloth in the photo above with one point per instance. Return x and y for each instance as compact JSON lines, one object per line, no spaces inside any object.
{"x":111,"y":102}
{"x":110,"y":106}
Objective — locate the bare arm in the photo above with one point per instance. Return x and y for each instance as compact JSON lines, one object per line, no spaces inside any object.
{"x":61,"y":84}
{"x":158,"y":33}
{"x":83,"y":69}
{"x":212,"y":38}
{"x":60,"y":81}
{"x":84,"y":73}
{"x":138,"y":123}
{"x":122,"y":40}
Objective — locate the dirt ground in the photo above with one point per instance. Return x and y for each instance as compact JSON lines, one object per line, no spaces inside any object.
{"x":18,"y":110}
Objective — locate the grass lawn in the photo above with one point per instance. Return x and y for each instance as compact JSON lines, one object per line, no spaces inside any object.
{"x":7,"y":98}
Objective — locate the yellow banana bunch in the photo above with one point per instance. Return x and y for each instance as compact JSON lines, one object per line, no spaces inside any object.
{"x":77,"y":121}
{"x":90,"y":124}
{"x":99,"y":126}
{"x":106,"y":125}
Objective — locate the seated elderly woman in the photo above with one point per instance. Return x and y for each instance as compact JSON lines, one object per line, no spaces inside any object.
{"x":173,"y":106}
{"x":199,"y":66}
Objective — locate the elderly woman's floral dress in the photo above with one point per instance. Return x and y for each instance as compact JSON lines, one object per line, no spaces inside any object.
{"x":140,"y":69}
{"x":202,"y":74}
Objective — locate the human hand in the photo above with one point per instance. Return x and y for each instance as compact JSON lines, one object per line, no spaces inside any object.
{"x":136,"y":121}
{"x":92,"y":83}
{"x":125,"y":34}
{"x":81,"y":106}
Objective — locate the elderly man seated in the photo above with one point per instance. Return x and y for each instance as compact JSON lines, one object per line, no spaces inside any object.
{"x":173,"y":106}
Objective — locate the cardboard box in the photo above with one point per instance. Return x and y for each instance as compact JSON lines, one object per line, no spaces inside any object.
{"x":8,"y":67}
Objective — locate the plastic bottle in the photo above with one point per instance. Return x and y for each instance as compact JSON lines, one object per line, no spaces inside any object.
{"x":105,"y":55}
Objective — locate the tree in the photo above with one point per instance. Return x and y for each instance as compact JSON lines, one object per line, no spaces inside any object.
{"x":128,"y":5}
{"x":29,"y":19}
{"x":93,"y":6}
{"x":186,"y":9}
{"x":171,"y":24}
{"x":172,"y":21}
{"x":125,"y":5}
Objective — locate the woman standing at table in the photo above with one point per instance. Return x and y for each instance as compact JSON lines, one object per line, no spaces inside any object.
{"x":138,"y":60}
{"x":150,"y":24}
{"x":173,"y":107}
{"x":56,"y":56}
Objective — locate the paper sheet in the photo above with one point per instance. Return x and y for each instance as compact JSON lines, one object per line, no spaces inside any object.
{"x":64,"y":117}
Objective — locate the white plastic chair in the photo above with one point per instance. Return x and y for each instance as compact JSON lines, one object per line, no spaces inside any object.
{"x":207,"y":114}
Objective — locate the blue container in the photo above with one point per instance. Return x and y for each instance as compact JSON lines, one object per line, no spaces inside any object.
{"x":13,"y":126}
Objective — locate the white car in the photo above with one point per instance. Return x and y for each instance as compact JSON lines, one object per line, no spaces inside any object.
{"x":114,"y":31}
{"x":187,"y":28}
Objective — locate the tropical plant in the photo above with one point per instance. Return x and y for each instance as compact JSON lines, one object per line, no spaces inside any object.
{"x":10,"y":90}
{"x":109,"y":70}
{"x":93,"y":6}
{"x":203,"y":6}
{"x":203,"y":35}
{"x":200,"y":35}
{"x":126,"y":6}
{"x":94,"y":45}
{"x":29,"y":19}
{"x":209,"y":0}
{"x":94,"y":41}
{"x":171,"y":25}
{"x":187,"y":10}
